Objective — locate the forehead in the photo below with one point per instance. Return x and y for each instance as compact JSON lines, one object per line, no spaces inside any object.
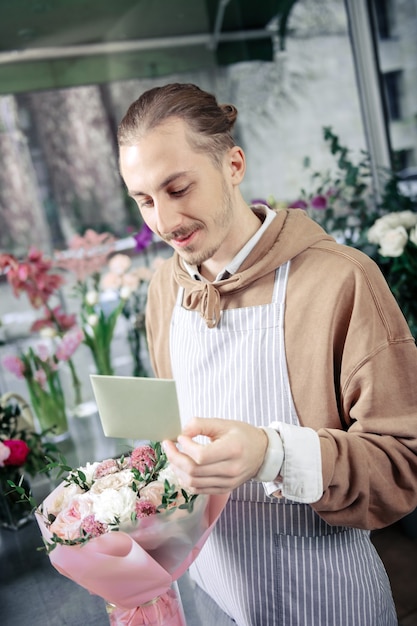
{"x":158,"y":153}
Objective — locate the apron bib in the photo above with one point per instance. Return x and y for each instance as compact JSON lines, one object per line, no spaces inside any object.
{"x":268,"y":561}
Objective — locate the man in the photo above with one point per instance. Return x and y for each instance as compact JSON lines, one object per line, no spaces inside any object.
{"x":295,"y":373}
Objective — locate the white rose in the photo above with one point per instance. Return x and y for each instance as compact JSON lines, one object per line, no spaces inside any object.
{"x":379,"y":228}
{"x":114,"y":504}
{"x":413,"y":235}
{"x":64,"y":498}
{"x":92,"y":297}
{"x":393,"y":241}
{"x":408,"y":219}
{"x":113,"y":481}
{"x":88,"y":470}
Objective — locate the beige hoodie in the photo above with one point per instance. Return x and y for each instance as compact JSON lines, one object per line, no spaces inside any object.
{"x":351,"y":359}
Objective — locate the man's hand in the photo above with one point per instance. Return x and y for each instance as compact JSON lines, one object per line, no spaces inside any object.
{"x":234,"y":454}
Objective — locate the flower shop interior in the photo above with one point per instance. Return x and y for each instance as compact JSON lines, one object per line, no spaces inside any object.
{"x":327,"y":97}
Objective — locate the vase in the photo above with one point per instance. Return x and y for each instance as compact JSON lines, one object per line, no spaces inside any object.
{"x":164,"y":610}
{"x":50,"y":408}
{"x":14,"y":511}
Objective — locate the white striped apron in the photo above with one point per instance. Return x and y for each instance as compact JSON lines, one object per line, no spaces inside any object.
{"x":268,"y":562}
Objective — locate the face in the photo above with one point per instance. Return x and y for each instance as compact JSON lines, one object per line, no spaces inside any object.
{"x":182,"y":196}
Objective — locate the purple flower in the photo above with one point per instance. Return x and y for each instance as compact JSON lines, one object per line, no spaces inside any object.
{"x":143,"y":238}
{"x":319,"y":202}
{"x":298,"y":204}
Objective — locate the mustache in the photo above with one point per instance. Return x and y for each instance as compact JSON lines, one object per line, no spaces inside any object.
{"x":180,"y":233}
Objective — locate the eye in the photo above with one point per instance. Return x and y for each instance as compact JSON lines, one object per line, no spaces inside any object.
{"x":145,"y":204}
{"x":179,"y":192}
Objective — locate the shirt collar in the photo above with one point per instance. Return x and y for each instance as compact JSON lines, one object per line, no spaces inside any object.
{"x":232,"y":267}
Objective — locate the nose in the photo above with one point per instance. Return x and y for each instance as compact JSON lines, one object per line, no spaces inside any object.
{"x":165,"y":217}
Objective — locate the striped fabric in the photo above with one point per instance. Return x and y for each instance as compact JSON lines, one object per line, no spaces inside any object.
{"x":269,"y":562}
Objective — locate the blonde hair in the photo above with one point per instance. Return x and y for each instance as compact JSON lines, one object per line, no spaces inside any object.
{"x":210,"y":124}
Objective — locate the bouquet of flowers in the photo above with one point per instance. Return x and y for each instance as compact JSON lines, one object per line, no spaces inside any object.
{"x":125,"y":530}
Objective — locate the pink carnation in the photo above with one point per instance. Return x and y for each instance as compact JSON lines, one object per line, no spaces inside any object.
{"x":14,"y":365}
{"x":144,"y":508}
{"x":93,"y":527}
{"x":142,"y":457}
{"x":19,"y":451}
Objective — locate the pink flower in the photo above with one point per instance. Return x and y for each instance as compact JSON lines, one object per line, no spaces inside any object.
{"x":40,"y":377}
{"x":109,"y":466}
{"x":4,"y":453}
{"x":298,"y":204}
{"x":14,"y":365}
{"x":142,"y":457}
{"x":42,"y":351}
{"x":69,"y":343}
{"x":67,"y":524}
{"x":93,"y":527}
{"x":319,"y":202}
{"x":53,"y":319}
{"x":144,"y":508}
{"x":19,"y":451}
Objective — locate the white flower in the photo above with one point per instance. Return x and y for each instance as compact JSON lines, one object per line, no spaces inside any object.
{"x":413,"y":235}
{"x":92,"y":320}
{"x":393,"y":241}
{"x":47,"y":332}
{"x":113,"y":481}
{"x":125,"y":292}
{"x":119,"y":264}
{"x":88,"y":470}
{"x":377,"y":230}
{"x":92,"y":297}
{"x":114,"y":504}
{"x":408,"y":219}
{"x":64,"y":498}
{"x":4,"y":453}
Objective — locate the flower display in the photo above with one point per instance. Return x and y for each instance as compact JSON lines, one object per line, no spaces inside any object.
{"x":39,"y":366}
{"x":34,"y":277}
{"x":125,"y":530}
{"x":23,"y":452}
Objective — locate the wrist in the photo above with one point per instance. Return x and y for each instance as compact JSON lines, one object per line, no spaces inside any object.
{"x":273,"y":458}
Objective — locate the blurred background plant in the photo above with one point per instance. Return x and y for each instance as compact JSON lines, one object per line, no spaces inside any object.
{"x":23,"y":452}
{"x":343,"y":201}
{"x":33,"y":276}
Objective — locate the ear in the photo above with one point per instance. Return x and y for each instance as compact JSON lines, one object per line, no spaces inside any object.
{"x":236,"y":164}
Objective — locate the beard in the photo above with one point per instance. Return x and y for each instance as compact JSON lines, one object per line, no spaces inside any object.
{"x":219,"y":228}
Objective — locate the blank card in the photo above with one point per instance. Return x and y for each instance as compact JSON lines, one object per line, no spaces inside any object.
{"x":137,"y":408}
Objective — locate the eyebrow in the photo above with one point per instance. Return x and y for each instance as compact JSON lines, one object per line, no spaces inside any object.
{"x":163,"y":184}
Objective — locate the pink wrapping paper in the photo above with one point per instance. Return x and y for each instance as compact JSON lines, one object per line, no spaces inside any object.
{"x":127,"y":573}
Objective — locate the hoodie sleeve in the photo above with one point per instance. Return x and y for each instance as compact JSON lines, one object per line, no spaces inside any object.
{"x":359,"y":389}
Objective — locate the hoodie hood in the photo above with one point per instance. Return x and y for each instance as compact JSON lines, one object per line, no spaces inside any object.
{"x":289,"y":234}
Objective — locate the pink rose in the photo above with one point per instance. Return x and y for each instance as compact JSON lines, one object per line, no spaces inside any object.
{"x":19,"y":451}
{"x":67,"y":524}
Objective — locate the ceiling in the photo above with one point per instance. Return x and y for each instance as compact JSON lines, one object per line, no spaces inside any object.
{"x":48,"y":44}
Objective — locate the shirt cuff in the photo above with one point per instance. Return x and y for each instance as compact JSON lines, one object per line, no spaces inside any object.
{"x":274,"y":457}
{"x":301,"y":478}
